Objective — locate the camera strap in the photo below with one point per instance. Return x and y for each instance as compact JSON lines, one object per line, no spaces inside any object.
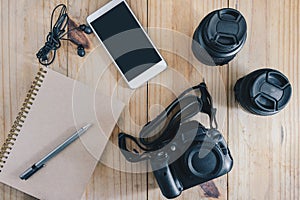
{"x":166,"y":124}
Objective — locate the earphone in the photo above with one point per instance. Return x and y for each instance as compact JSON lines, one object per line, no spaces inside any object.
{"x":80,"y":48}
{"x":85,"y":28}
{"x":57,"y":33}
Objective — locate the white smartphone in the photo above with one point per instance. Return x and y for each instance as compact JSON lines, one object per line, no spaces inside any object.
{"x":127,"y":43}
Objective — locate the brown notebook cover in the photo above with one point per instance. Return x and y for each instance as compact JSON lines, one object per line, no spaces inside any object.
{"x":55,"y":107}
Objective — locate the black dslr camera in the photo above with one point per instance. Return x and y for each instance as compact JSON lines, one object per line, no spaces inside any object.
{"x":206,"y":158}
{"x":182,"y":152}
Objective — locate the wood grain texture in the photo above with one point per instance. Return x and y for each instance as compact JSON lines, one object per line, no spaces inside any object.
{"x":266,"y":150}
{"x":108,"y":181}
{"x":171,"y":26}
{"x":24,"y":25}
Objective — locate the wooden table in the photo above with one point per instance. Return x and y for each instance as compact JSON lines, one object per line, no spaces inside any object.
{"x":266,"y":150}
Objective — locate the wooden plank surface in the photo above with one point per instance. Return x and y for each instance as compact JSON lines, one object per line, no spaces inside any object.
{"x":171,"y":26}
{"x":108,"y":181}
{"x":24,"y":25}
{"x":265,"y":149}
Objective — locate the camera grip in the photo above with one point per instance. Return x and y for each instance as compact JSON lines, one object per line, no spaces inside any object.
{"x":168,"y":186}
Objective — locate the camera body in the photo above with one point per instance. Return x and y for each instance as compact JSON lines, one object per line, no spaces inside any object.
{"x":182,"y":152}
{"x":196,"y":155}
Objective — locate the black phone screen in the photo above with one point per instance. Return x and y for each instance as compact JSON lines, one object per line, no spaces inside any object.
{"x":126,"y":41}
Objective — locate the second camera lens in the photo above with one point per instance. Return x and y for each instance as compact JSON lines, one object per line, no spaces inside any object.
{"x":219,"y":37}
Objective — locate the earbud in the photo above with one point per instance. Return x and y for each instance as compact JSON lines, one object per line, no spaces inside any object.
{"x":85,"y":28}
{"x":58,"y":30}
{"x":80,"y":50}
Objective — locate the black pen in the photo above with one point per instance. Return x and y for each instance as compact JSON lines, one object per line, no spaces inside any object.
{"x":41,"y":163}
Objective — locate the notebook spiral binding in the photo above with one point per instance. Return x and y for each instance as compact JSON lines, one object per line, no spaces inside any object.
{"x":20,"y":119}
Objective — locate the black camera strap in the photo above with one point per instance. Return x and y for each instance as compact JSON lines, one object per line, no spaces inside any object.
{"x":167,"y":123}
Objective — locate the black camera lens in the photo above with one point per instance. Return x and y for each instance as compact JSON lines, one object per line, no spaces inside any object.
{"x":263,"y":92}
{"x":219,"y":37}
{"x":204,"y":161}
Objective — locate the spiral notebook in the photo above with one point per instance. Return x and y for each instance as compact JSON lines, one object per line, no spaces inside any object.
{"x":55,"y":107}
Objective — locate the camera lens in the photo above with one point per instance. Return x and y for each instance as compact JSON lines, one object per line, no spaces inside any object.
{"x":204,"y":162}
{"x":263,"y":92}
{"x":219,"y":37}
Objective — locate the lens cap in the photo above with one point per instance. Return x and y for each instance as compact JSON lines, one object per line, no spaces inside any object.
{"x":219,"y":37}
{"x":263,"y":92}
{"x":205,"y":161}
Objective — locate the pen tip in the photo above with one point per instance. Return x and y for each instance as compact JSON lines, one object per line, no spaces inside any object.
{"x":87,"y":126}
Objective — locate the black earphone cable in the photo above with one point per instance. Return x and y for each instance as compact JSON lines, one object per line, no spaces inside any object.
{"x":54,"y":36}
{"x":73,"y":41}
{"x":46,"y":55}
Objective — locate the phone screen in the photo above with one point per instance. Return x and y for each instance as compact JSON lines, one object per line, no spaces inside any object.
{"x":126,"y":41}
